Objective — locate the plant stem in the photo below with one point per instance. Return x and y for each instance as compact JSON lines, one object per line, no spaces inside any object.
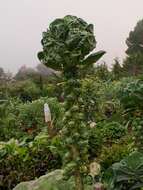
{"x":77,"y":176}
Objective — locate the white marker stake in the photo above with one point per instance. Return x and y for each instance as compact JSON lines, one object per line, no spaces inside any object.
{"x":47,"y":113}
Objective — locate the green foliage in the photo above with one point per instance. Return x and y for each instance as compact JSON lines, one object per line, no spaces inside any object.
{"x":25,"y":73}
{"x":89,"y":97}
{"x":131,"y":94}
{"x":53,"y":88}
{"x":133,"y":65}
{"x":135,"y":40}
{"x":27,"y":159}
{"x":117,"y":69}
{"x":25,"y":90}
{"x":111,"y":131}
{"x":105,"y":133}
{"x":127,"y":174}
{"x":66,"y":43}
{"x":111,"y":153}
{"x":137,"y":131}
{"x":22,"y":161}
{"x":108,"y":143}
{"x":8,"y":118}
{"x":18,"y":119}
{"x":31,"y":115}
{"x":102,"y":73}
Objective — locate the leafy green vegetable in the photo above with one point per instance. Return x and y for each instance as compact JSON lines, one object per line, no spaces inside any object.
{"x":127,"y":173}
{"x":67,"y":42}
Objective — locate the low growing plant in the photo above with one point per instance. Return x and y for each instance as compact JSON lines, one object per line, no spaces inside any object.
{"x":126,"y":174}
{"x":24,"y":161}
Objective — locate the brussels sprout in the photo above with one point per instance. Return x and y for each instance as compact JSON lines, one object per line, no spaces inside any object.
{"x":80,"y":100}
{"x":67,"y":89}
{"x":65,"y":131}
{"x":71,"y":123}
{"x":77,"y":91}
{"x":76,"y":136}
{"x":78,"y":159}
{"x":83,"y":150}
{"x":79,"y":116}
{"x":83,"y":143}
{"x":135,"y":123}
{"x":70,"y":98}
{"x":134,"y":138}
{"x":75,"y":108}
{"x":134,"y":128}
{"x":69,"y":141}
{"x":62,"y":109}
{"x":85,"y":134}
{"x":67,"y":105}
{"x":67,"y":157}
{"x":83,"y":125}
{"x":66,"y":44}
{"x":69,"y":169}
{"x":139,"y":127}
{"x":71,"y":82}
{"x":68,"y":114}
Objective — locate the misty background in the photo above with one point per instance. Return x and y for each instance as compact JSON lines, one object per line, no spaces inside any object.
{"x":22,"y":23}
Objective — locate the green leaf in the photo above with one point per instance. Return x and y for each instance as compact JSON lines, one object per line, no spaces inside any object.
{"x":137,"y":185}
{"x":93,"y":58}
{"x":130,"y":168}
{"x":66,"y":43}
{"x":40,"y":56}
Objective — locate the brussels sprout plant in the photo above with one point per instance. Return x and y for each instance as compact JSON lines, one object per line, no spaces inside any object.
{"x":66,"y":44}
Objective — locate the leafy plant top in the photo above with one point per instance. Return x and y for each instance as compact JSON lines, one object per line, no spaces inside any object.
{"x":66,"y":42}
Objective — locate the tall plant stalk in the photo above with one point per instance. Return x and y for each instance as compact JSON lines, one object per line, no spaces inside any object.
{"x":65,"y":45}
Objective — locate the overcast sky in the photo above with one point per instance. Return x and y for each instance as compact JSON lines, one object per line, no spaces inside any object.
{"x":23,"y":21}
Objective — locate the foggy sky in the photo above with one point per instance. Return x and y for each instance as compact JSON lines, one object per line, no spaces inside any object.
{"x":23,"y":21}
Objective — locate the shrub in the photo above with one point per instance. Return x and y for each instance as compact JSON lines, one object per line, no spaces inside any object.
{"x":22,"y":161}
{"x":19,"y":120}
{"x":113,"y":153}
{"x":131,"y":94}
{"x":25,"y":90}
{"x":8,"y":118}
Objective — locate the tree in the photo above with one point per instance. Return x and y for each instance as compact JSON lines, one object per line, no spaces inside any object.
{"x":5,"y":76}
{"x":65,"y":45}
{"x":44,"y":71}
{"x":101,"y":72}
{"x":116,"y":69}
{"x":25,"y":73}
{"x":133,"y":65}
{"x":135,"y":39}
{"x":2,"y":74}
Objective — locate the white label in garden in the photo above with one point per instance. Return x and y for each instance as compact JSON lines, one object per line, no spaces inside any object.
{"x":47,"y":113}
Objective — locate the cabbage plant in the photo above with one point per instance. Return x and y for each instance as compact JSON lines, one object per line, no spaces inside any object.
{"x":66,"y":45}
{"x":126,"y":174}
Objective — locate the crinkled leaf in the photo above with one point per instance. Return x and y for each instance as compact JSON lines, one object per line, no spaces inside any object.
{"x":66,"y":43}
{"x":130,"y":168}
